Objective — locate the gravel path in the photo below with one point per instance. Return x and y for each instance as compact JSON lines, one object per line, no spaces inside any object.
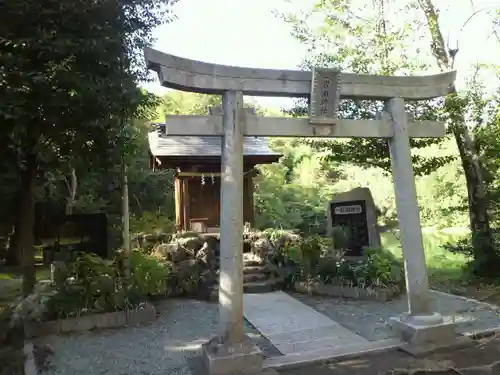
{"x":163,"y":347}
{"x":168,"y":345}
{"x":368,"y":318}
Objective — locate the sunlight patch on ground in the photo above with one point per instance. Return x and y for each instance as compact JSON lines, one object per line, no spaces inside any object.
{"x":182,"y":346}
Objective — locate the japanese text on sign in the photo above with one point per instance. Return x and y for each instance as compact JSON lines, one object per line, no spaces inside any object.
{"x":325,"y":93}
{"x":324,"y":97}
{"x":348,"y":210}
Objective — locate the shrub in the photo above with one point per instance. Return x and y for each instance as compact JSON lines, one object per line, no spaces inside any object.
{"x":295,"y":257}
{"x":151,"y":222}
{"x":148,"y":275}
{"x":315,"y":258}
{"x":88,"y":284}
{"x":340,"y":237}
{"x":91,"y":284}
{"x":379,"y":268}
{"x":476,"y":264}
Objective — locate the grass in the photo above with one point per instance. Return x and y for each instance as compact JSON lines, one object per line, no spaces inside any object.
{"x":440,"y":262}
{"x":446,"y":270}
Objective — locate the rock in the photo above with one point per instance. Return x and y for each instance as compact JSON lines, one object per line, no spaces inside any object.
{"x":288,"y":237}
{"x":254,"y":236}
{"x":186,"y":268}
{"x":141,"y":242}
{"x":213,"y":242}
{"x":162,"y":237}
{"x":247,"y":245}
{"x":261,"y":248}
{"x":173,"y":252}
{"x":206,"y":255}
{"x":191,"y":243}
{"x":187,"y":234}
{"x":208,"y":278}
{"x":185,"y":264}
{"x":164,"y":250}
{"x":188,"y":276}
{"x":182,"y":254}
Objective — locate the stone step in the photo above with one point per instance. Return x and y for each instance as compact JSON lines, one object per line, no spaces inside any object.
{"x":246,"y":263}
{"x":255,"y":269}
{"x":253,"y":263}
{"x":251,"y":277}
{"x":250,"y":257}
{"x":250,"y":287}
{"x":259,"y":286}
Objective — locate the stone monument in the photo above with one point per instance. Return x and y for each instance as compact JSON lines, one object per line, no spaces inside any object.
{"x":355,"y":210}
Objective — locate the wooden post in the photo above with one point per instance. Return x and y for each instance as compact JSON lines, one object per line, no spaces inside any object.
{"x":251,"y":203}
{"x":178,"y":202}
{"x":417,"y":284}
{"x":231,"y":236}
{"x":125,"y":217}
{"x":185,"y":203}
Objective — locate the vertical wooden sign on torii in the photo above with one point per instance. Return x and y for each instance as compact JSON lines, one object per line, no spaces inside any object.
{"x":231,"y":350}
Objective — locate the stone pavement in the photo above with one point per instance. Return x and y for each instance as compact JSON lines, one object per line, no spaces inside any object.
{"x":293,"y":327}
{"x":482,"y":359}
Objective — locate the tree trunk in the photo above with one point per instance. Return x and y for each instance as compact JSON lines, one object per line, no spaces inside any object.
{"x":13,"y":257}
{"x":485,"y":256}
{"x":72,"y":187}
{"x":27,"y":223}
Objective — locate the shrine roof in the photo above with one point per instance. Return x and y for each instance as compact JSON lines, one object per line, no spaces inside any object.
{"x":190,"y":146}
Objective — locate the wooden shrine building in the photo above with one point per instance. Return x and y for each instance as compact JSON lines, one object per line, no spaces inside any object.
{"x":197,"y":164}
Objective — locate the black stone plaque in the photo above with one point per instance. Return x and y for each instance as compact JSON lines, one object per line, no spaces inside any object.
{"x":352,"y":216}
{"x":60,"y":236}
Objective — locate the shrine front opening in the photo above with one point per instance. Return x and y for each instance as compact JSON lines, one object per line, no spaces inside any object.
{"x":420,"y":328}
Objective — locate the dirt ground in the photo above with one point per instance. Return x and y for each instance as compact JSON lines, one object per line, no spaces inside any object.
{"x":481,"y":359}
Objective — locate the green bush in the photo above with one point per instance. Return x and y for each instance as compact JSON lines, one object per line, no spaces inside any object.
{"x":379,"y":268}
{"x":189,"y":278}
{"x":91,"y":284}
{"x":148,"y":275}
{"x":151,"y":222}
{"x":296,"y":257}
{"x":340,"y":237}
{"x":314,"y":258}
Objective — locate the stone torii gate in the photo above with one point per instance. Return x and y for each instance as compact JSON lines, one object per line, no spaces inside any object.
{"x":231,"y":351}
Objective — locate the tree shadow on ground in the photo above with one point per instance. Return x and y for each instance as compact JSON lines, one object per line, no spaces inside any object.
{"x":459,"y":282}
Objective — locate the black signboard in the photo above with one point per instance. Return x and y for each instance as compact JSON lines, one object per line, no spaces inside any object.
{"x":63,"y":235}
{"x":351,"y":215}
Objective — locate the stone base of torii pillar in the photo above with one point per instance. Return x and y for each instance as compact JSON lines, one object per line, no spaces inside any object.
{"x":239,"y":358}
{"x":425,"y":334}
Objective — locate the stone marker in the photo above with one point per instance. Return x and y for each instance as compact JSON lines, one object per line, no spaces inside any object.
{"x":356,"y":211}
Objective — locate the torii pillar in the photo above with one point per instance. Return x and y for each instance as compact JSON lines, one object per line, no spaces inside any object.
{"x":231,"y":351}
